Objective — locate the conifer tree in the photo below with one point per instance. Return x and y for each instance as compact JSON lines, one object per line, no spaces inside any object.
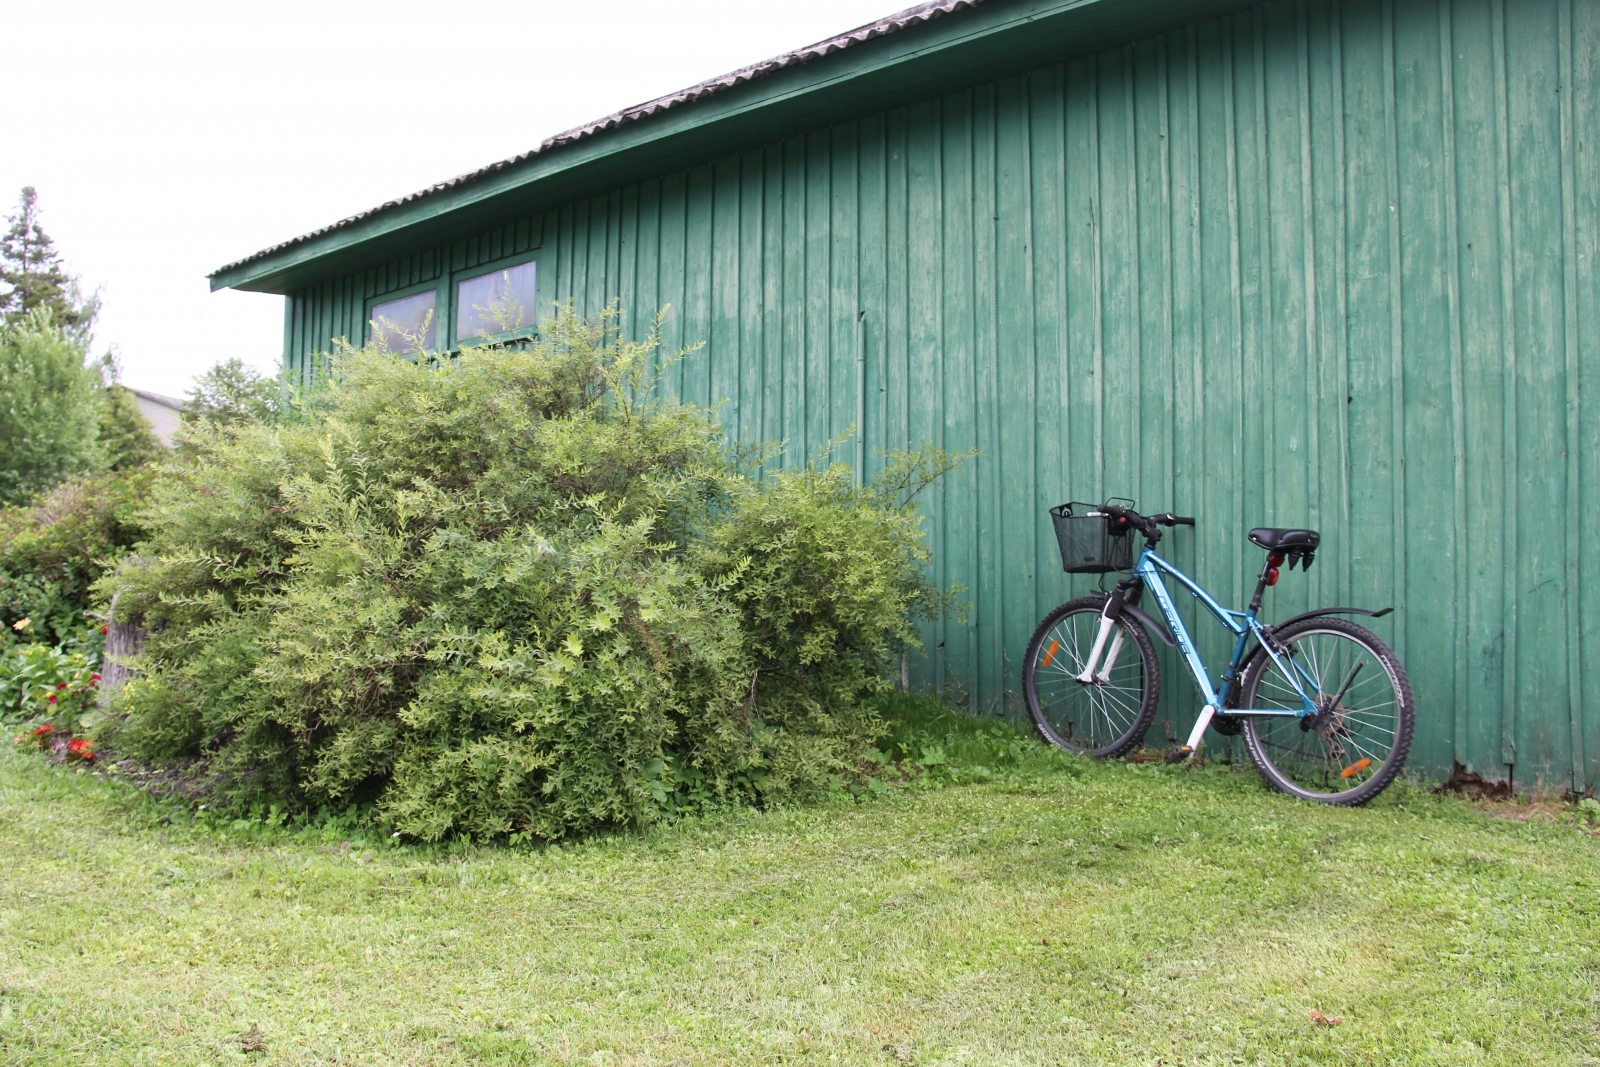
{"x":34,"y":277}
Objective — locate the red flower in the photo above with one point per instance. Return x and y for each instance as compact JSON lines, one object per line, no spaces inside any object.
{"x":51,"y":698}
{"x":105,"y":629}
{"x":61,"y":685}
{"x":94,"y":677}
{"x":42,"y":736}
{"x":81,"y":748}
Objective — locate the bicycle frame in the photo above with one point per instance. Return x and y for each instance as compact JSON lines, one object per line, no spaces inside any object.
{"x":1242,"y":624}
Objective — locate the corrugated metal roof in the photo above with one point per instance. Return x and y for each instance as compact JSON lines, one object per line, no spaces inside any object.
{"x":157,"y":398}
{"x":912,"y":16}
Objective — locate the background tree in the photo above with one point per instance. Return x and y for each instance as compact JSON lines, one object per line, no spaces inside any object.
{"x":232,"y":392}
{"x":31,"y":270}
{"x":49,"y":408}
{"x":125,"y":434}
{"x":59,"y":418}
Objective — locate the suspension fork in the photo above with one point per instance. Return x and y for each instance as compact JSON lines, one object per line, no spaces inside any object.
{"x":1094,"y":670}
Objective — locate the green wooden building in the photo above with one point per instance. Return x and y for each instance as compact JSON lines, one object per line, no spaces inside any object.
{"x":1323,"y":262}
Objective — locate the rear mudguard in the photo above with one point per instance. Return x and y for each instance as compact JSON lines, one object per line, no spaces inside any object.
{"x":1330,"y":611}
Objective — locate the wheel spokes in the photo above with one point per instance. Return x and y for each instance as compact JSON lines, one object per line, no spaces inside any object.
{"x":1095,"y":714}
{"x":1358,"y":717}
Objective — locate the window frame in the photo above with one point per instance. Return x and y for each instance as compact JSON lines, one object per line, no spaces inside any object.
{"x":527,"y":331}
{"x":441,"y":308}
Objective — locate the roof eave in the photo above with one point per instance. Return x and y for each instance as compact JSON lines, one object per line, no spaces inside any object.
{"x":988,"y":41}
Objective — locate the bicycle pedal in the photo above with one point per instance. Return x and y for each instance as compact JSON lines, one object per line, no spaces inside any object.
{"x":1179,"y":754}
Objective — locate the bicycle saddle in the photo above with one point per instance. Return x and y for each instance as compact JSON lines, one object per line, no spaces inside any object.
{"x":1285,"y":540}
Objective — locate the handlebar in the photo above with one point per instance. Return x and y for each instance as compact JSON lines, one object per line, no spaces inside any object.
{"x":1145,"y":524}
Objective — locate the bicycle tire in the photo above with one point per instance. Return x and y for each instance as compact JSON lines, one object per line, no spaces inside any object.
{"x":1105,"y":719}
{"x":1342,"y":751}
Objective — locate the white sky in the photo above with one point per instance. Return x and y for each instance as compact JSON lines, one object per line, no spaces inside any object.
{"x":166,"y":139}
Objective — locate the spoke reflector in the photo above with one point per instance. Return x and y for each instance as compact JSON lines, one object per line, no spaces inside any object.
{"x":1355,"y":768}
{"x":1050,"y":655}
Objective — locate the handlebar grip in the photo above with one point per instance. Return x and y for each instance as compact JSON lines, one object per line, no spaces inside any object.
{"x":1127,"y":518}
{"x":1169,"y":519}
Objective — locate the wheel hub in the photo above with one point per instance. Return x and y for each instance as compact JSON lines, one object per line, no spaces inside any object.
{"x":1328,"y":721}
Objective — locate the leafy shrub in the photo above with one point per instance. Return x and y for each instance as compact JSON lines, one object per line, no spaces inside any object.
{"x":1589,"y":809}
{"x":53,"y":552}
{"x":515,"y":593}
{"x":828,"y":580}
{"x":47,"y":684}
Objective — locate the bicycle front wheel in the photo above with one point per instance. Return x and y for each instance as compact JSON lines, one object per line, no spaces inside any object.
{"x":1105,"y":714}
{"x":1356,"y":743}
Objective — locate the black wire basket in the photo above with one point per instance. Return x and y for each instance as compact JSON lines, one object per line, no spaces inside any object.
{"x":1088,"y":543}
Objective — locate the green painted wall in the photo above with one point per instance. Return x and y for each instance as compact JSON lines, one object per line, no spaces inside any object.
{"x":1316,"y":263}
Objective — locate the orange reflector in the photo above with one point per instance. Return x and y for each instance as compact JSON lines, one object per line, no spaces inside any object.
{"x":1050,"y":655}
{"x":1355,"y":768}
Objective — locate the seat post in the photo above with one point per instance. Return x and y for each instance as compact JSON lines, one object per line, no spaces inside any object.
{"x":1268,"y":576}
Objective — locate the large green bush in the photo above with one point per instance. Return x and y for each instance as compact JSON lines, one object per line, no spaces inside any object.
{"x":515,"y":593}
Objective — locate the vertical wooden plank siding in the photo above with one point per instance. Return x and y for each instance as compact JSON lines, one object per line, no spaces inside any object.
{"x":1584,"y":512}
{"x":1319,"y":262}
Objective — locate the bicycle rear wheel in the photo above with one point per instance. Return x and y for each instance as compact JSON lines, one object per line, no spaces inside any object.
{"x":1108,"y":715}
{"x":1357,"y":742}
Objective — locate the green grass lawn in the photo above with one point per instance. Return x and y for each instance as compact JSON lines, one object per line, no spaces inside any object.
{"x":1056,"y":913}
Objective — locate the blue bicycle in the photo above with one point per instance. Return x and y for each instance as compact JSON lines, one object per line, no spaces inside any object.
{"x":1324,"y":705}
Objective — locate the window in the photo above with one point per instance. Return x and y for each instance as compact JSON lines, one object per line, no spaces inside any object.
{"x":497,"y":304}
{"x":405,"y":325}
